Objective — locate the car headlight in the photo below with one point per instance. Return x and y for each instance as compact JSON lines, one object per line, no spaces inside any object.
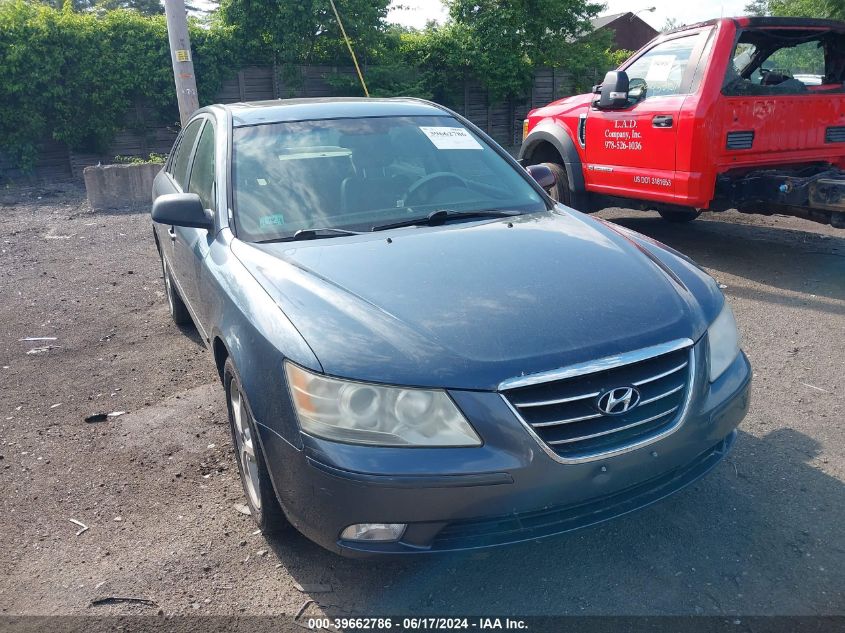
{"x":722,"y":342}
{"x":364,"y":413}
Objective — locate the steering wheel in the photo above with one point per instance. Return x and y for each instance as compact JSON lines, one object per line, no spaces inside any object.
{"x":424,"y":184}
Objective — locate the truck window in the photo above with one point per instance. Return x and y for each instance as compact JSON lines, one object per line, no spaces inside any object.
{"x":804,"y":62}
{"x":786,"y":62}
{"x":662,"y":67}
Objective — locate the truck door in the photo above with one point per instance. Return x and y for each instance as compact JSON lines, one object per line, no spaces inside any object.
{"x":631,"y":151}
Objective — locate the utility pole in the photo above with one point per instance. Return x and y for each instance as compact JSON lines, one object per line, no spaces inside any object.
{"x":180,"y":55}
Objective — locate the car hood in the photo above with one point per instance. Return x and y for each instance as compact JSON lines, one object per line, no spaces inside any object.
{"x":469,"y":305}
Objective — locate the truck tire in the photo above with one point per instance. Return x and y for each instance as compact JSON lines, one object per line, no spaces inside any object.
{"x":560,"y":191}
{"x":678,"y":217}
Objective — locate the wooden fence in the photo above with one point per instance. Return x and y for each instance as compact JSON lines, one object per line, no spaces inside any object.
{"x":502,"y":121}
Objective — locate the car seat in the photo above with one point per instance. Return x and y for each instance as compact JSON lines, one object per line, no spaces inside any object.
{"x":372,"y":186}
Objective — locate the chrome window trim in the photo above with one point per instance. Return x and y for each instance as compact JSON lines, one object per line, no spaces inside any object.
{"x":591,"y":457}
{"x":593,"y":366}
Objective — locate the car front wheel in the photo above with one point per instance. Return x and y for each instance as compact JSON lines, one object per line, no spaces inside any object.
{"x":260,"y":496}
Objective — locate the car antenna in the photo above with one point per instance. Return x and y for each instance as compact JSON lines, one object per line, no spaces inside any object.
{"x":351,"y":52}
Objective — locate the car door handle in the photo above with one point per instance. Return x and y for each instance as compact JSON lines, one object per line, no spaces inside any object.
{"x":662,"y":120}
{"x":172,"y":233}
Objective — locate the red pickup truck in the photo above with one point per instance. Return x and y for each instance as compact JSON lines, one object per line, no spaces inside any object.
{"x":736,"y":113}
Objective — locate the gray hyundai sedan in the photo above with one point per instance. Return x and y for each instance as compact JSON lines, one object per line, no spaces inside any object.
{"x":421,"y":351}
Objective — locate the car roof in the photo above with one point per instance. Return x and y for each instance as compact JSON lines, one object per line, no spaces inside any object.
{"x":281,"y":110}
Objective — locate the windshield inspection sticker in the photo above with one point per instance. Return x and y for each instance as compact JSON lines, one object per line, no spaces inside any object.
{"x":277,"y":219}
{"x":661,"y":66}
{"x":451,"y":138}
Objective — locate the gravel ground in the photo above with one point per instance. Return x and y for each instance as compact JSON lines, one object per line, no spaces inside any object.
{"x":157,"y":486}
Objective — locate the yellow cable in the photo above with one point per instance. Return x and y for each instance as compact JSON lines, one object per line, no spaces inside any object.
{"x":349,"y":46}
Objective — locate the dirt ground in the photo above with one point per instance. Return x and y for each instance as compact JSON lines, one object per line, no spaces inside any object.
{"x":157,"y":486}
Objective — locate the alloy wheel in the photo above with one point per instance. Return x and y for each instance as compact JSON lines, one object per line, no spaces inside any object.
{"x":245,"y":445}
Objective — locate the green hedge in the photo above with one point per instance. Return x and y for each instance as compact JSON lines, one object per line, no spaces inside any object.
{"x":75,"y":76}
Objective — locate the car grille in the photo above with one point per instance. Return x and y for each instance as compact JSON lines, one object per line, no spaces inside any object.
{"x":564,"y":413}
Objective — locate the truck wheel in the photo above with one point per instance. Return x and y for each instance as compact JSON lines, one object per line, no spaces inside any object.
{"x":560,"y":191}
{"x":678,"y":217}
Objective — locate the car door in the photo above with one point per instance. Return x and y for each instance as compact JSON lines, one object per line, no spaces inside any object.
{"x":632,"y":149}
{"x":165,"y":182}
{"x":192,"y":244}
{"x":173,"y":179}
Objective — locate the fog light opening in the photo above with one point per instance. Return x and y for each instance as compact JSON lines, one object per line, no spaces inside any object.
{"x":384,"y":532}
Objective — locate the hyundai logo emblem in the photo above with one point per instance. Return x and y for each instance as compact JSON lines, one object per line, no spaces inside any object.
{"x":618,"y":401}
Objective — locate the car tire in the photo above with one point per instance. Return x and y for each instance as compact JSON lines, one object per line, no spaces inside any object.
{"x":178,"y":310}
{"x":560,"y":191}
{"x":255,"y":479}
{"x":678,"y":217}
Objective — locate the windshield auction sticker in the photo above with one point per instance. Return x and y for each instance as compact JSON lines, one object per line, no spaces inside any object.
{"x":451,"y":138}
{"x":661,"y":68}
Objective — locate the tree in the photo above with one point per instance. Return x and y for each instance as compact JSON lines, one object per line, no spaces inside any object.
{"x":302,"y":31}
{"x":147,"y":7}
{"x":671,"y":24}
{"x":505,"y":39}
{"x":831,"y":9}
{"x":442,"y":57}
{"x":757,"y":8}
{"x":75,"y":5}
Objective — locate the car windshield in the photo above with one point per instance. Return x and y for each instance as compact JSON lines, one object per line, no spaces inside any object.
{"x":357,"y":174}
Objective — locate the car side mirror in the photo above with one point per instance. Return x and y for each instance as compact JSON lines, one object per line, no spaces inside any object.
{"x":182,"y":209}
{"x":543,"y":175}
{"x":614,"y":91}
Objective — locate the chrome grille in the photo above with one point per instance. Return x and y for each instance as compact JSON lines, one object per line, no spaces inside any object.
{"x":563,"y":412}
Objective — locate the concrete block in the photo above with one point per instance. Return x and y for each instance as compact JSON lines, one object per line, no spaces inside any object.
{"x":120,"y":186}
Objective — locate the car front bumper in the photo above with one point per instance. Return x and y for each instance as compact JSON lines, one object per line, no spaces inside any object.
{"x":507,"y":491}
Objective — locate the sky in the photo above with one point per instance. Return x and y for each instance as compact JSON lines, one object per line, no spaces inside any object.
{"x":417,"y":12}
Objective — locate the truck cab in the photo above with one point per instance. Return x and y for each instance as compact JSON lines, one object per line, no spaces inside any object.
{"x":744,"y":113}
